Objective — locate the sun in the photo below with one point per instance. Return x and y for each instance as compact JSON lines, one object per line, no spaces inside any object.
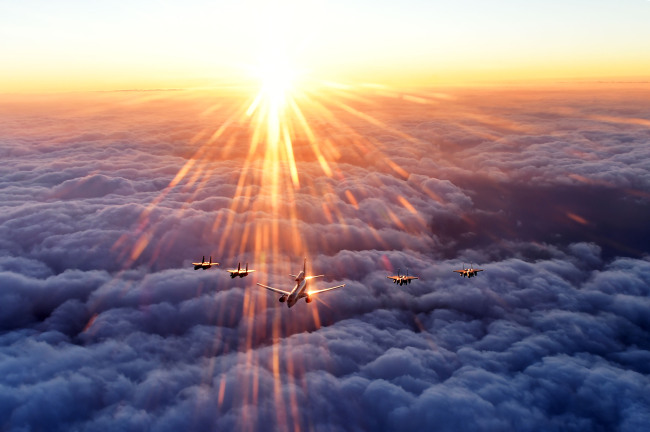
{"x":277,"y":79}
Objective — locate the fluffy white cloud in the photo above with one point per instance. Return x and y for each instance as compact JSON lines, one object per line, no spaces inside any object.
{"x":104,"y":324}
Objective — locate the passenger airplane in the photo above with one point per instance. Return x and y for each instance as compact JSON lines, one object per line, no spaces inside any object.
{"x":203,"y":264}
{"x":468,"y":272}
{"x":239,"y":272}
{"x":300,"y":289}
{"x":402,"y":279}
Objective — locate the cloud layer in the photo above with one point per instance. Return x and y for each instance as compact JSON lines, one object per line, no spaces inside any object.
{"x":104,"y":324}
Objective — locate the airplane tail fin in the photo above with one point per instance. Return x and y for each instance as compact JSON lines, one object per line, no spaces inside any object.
{"x":238,"y":266}
{"x":246,"y":267}
{"x":203,"y":259}
{"x":398,"y":272}
{"x":304,"y":267}
{"x":210,"y":259}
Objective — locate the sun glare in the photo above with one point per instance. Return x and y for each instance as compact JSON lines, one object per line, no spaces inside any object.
{"x":291,"y":130}
{"x":277,"y":78}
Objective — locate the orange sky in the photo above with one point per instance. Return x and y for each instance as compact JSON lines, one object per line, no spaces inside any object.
{"x":77,"y":45}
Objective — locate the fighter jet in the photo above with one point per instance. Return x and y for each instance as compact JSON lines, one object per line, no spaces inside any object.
{"x":239,"y":272}
{"x":300,"y":289}
{"x":402,"y":279}
{"x":468,"y":272}
{"x":203,"y":264}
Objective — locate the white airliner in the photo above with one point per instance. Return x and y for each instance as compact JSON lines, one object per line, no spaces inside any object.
{"x":468,"y":272}
{"x":300,"y":289}
{"x":204,"y":264}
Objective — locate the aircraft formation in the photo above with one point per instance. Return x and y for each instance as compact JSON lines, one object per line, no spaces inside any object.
{"x":300,"y":290}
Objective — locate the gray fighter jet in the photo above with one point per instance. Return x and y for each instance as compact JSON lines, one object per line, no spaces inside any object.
{"x":468,"y":272}
{"x":204,"y":264}
{"x":401,"y":279}
{"x":239,"y":272}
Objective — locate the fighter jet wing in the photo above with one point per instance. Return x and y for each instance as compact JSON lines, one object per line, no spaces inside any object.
{"x":276,"y":290}
{"x":314,"y":277}
{"x":459,"y":271}
{"x":411,"y":277}
{"x":393,"y":277}
{"x":478,"y":270}
{"x":311,"y":293}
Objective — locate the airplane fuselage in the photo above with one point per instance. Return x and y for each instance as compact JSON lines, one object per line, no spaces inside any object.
{"x":298,"y":290}
{"x":402,"y":280}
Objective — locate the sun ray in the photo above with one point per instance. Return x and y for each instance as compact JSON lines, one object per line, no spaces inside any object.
{"x":269,"y":139}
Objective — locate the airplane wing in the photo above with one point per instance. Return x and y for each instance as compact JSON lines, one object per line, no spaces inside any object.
{"x":232,"y":271}
{"x":276,"y":290}
{"x":412,"y":277}
{"x":203,"y":263}
{"x":314,"y":277}
{"x":311,"y":293}
{"x":478,"y":270}
{"x":393,"y":277}
{"x":459,"y":271}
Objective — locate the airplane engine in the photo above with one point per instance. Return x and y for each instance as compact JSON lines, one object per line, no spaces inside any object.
{"x":282,"y":299}
{"x":308,"y":299}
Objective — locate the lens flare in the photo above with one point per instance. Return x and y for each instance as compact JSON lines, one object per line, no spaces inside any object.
{"x":284,"y":143}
